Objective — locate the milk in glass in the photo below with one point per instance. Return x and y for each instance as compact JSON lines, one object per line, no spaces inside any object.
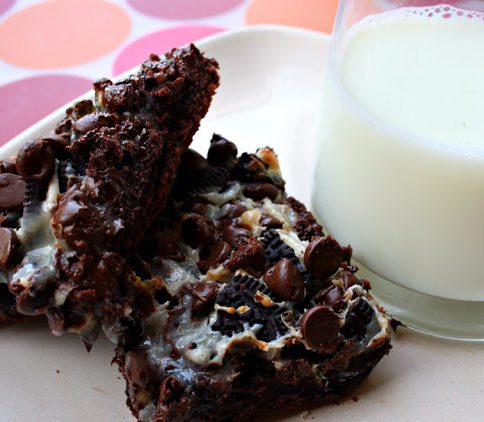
{"x":400,"y":174}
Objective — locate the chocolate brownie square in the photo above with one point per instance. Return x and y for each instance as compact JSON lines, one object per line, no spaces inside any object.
{"x":255,"y":309}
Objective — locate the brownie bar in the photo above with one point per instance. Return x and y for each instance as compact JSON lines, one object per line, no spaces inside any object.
{"x":255,"y":309}
{"x":94,"y":187}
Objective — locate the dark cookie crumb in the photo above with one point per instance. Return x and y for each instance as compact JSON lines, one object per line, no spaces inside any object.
{"x":306,"y":225}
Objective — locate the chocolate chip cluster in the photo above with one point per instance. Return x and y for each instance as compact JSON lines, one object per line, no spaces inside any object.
{"x":260,"y":262}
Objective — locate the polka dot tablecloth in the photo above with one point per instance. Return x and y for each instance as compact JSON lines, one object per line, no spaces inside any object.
{"x":51,"y":51}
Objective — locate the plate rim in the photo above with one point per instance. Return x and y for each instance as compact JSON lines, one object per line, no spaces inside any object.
{"x":6,"y":150}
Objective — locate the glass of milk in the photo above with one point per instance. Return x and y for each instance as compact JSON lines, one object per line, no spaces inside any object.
{"x":400,"y":167}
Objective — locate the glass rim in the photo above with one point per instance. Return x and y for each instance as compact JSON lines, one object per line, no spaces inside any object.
{"x":403,"y":134}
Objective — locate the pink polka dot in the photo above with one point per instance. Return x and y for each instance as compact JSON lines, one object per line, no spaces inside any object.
{"x":24,"y":102}
{"x":159,"y":42}
{"x":183,"y":9}
{"x":5,"y":5}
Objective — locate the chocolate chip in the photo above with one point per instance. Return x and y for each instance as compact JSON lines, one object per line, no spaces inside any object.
{"x":269,"y":221}
{"x":198,"y":231}
{"x":323,"y":256}
{"x":232,"y":210}
{"x":320,"y":329}
{"x":193,"y":163}
{"x":12,"y":190}
{"x":218,"y":254}
{"x":10,"y":248}
{"x":221,"y":150}
{"x":71,"y":218}
{"x":203,"y":296}
{"x":332,"y":297}
{"x":258,"y":191}
{"x":236,"y":236}
{"x":197,"y":208}
{"x":8,"y":166}
{"x":58,"y":143}
{"x":94,"y":120}
{"x":285,"y":281}
{"x":35,"y":161}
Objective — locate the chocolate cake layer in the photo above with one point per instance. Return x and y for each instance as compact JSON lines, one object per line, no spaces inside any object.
{"x":255,"y":309}
{"x":93,"y":188}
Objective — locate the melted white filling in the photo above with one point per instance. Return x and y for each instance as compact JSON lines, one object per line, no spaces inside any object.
{"x":37,"y":266}
{"x":37,"y":239}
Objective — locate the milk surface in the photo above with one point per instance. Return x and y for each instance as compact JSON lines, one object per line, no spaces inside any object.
{"x":401,"y":170}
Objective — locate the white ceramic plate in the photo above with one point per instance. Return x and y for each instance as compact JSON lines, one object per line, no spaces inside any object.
{"x":270,"y":84}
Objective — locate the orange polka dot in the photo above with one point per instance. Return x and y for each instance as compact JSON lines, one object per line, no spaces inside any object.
{"x":62,"y":33}
{"x":317,"y":15}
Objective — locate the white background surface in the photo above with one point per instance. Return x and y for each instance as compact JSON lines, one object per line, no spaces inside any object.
{"x":268,"y":96}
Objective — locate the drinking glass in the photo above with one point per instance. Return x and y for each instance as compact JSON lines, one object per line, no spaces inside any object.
{"x":400,"y":160}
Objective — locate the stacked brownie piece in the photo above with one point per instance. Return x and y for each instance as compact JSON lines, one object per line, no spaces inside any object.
{"x":93,"y":187}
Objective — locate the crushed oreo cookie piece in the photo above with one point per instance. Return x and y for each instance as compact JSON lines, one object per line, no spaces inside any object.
{"x":239,"y":295}
{"x":358,"y":317}
{"x":210,"y":179}
{"x":275,"y":249}
{"x":35,"y":194}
